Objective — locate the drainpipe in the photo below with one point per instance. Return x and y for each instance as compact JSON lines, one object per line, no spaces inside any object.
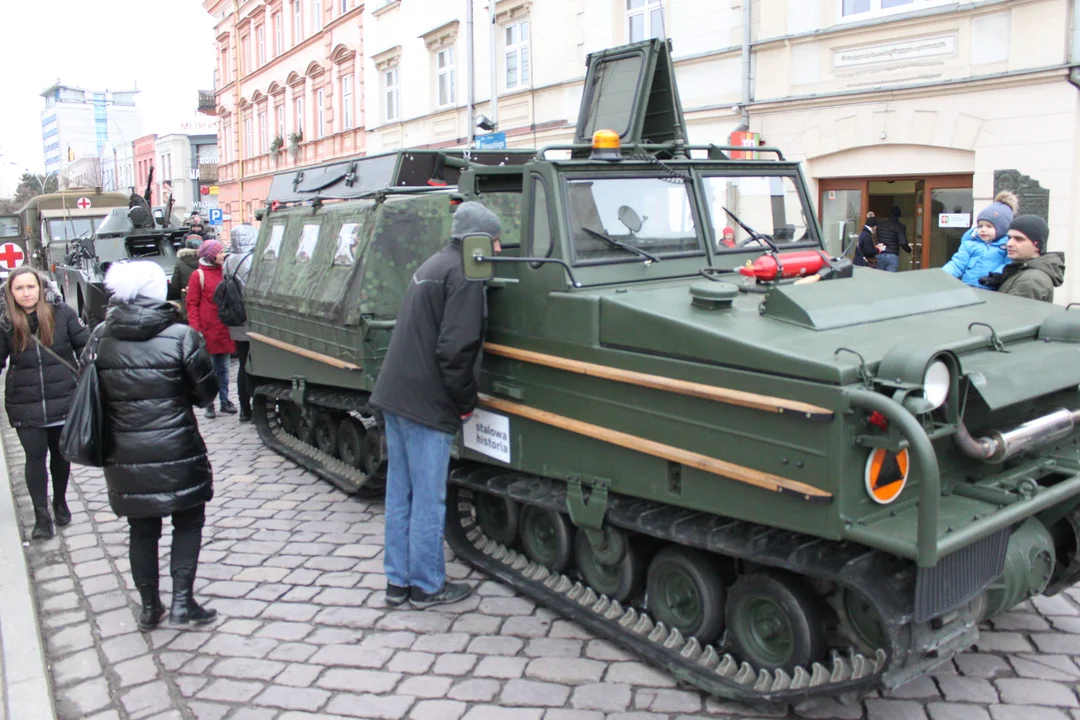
{"x":744,"y":123}
{"x":238,"y":113}
{"x":1074,"y":45}
{"x":470,"y":78}
{"x":494,"y":67}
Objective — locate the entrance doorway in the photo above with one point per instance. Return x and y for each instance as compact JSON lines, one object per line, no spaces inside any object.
{"x":936,"y":210}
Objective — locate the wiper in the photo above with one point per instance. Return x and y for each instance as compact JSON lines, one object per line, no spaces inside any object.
{"x":754,"y":234}
{"x":649,"y":257}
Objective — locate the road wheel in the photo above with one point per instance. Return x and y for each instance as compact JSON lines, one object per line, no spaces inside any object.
{"x":547,"y":537}
{"x":620,"y":580}
{"x":773,"y":622}
{"x":305,"y":428}
{"x":350,"y":442}
{"x":497,"y":517}
{"x":324,"y":429}
{"x":375,"y":457}
{"x":287,"y":415}
{"x":685,"y":592}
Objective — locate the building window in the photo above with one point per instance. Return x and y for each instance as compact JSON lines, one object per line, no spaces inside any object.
{"x":391,"y":89}
{"x":517,"y":55}
{"x":264,"y":134}
{"x":444,"y":72}
{"x":316,"y":15}
{"x":298,"y":22}
{"x":260,"y":35}
{"x":280,"y":132}
{"x":346,"y":102}
{"x":849,"y":10}
{"x":644,"y":19}
{"x":320,"y":113}
{"x":245,"y":55}
{"x":249,"y":138}
{"x":279,"y":35}
{"x":344,"y":6}
{"x":299,"y":125}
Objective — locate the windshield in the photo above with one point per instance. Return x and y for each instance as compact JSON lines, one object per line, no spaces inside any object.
{"x":650,"y":214}
{"x":766,"y":205}
{"x":65,"y":229}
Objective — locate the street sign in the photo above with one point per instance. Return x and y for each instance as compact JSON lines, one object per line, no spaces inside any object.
{"x":83,"y":203}
{"x":215,"y":216}
{"x":11,"y":257}
{"x":491,"y":141}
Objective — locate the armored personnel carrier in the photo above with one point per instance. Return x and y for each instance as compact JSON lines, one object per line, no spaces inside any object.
{"x":766,"y":471}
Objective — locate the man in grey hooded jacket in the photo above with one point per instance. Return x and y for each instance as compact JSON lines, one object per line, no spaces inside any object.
{"x":238,"y":263}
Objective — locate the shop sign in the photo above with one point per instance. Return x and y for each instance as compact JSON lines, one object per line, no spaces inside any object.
{"x":215,"y":190}
{"x":895,"y":52}
{"x":954,"y":220}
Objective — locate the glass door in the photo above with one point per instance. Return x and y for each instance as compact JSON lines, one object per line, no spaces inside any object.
{"x":841,"y":215}
{"x":950,"y":214}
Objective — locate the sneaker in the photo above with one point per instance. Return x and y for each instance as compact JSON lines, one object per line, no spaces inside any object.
{"x":210,"y":412}
{"x":245,"y":416}
{"x":396,"y":595}
{"x":450,"y":593}
{"x":228,"y":408}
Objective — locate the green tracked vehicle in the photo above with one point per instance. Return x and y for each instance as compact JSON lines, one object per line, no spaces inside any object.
{"x":766,"y":471}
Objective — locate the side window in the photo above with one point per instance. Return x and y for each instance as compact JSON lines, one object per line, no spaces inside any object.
{"x":273,"y":245}
{"x":309,"y":238}
{"x":540,"y":225}
{"x":348,"y":241}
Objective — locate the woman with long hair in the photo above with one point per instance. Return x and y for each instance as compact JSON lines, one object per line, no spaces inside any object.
{"x":202,"y":315}
{"x":42,"y":337}
{"x":152,"y":371}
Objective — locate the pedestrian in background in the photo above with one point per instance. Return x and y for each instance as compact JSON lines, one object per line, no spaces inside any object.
{"x":426,"y":391}
{"x":187,"y":262}
{"x":892,"y":235}
{"x":42,"y":336}
{"x":1032,"y":272}
{"x":866,"y":249}
{"x":203,"y":316}
{"x":238,"y":264}
{"x":982,"y":248}
{"x":152,"y":371}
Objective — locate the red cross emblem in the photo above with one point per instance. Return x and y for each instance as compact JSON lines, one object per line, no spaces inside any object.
{"x":11,"y":256}
{"x":84,"y":203}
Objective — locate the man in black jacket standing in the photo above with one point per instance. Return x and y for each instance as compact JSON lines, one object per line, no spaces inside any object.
{"x":426,"y":391}
{"x":893,"y":236}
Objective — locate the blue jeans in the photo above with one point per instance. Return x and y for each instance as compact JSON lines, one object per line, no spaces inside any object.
{"x":889,"y":262}
{"x":419,"y":459}
{"x":221,"y":369}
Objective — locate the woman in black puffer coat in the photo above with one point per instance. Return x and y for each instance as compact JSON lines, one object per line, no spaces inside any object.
{"x":152,"y":370}
{"x":33,"y":322}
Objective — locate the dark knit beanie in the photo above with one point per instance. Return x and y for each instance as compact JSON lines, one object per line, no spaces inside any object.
{"x":1034,"y":227}
{"x":999,"y":215}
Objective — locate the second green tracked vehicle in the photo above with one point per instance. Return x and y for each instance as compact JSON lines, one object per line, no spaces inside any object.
{"x":770,"y":473}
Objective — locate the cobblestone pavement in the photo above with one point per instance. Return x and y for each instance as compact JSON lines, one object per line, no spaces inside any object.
{"x":295,"y":569}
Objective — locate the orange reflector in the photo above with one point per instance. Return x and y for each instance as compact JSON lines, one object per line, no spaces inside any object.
{"x":606,"y":140}
{"x":886,"y":475}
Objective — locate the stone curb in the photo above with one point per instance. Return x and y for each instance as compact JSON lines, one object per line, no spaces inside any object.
{"x":25,"y":692}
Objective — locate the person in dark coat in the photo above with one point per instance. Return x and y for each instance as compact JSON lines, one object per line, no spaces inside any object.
{"x":892,"y":234}
{"x":203,"y":316}
{"x":866,"y":248}
{"x":238,"y":265}
{"x":187,"y":262}
{"x":42,"y":337}
{"x":426,"y":390}
{"x":152,"y":370}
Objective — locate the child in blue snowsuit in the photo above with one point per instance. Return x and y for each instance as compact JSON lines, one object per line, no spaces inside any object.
{"x":982,"y":248}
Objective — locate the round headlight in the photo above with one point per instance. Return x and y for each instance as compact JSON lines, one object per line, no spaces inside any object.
{"x":936,"y":384}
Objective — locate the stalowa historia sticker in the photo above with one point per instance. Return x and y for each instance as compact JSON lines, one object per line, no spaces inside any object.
{"x":488,"y":434}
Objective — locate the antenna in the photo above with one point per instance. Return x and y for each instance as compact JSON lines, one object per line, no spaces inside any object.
{"x":663,"y":21}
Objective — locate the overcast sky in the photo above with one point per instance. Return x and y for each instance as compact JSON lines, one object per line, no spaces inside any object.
{"x":164,"y":47}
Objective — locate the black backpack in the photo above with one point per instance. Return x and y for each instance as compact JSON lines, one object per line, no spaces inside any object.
{"x":229,"y":298}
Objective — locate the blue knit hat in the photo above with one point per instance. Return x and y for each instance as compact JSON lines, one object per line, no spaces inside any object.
{"x":1000,"y":213}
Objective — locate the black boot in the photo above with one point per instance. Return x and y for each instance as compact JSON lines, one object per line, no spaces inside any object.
{"x":152,"y":608}
{"x":43,"y":525}
{"x":61,"y":511}
{"x":184,"y":608}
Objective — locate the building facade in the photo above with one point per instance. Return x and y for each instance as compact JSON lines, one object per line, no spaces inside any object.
{"x":288,"y":88}
{"x":931,"y":106}
{"x":77,"y":123}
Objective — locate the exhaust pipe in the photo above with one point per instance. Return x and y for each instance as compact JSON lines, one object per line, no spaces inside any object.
{"x":997,"y":447}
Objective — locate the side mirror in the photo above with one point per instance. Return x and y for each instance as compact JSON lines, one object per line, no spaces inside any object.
{"x":476,"y":246}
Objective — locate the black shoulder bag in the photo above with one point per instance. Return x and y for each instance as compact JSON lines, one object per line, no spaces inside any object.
{"x":82,"y":440}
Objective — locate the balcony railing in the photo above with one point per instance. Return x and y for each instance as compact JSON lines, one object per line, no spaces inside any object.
{"x":207,"y":102}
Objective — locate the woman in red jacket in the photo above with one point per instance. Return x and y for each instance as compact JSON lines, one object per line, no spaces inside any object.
{"x":203,"y":316}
